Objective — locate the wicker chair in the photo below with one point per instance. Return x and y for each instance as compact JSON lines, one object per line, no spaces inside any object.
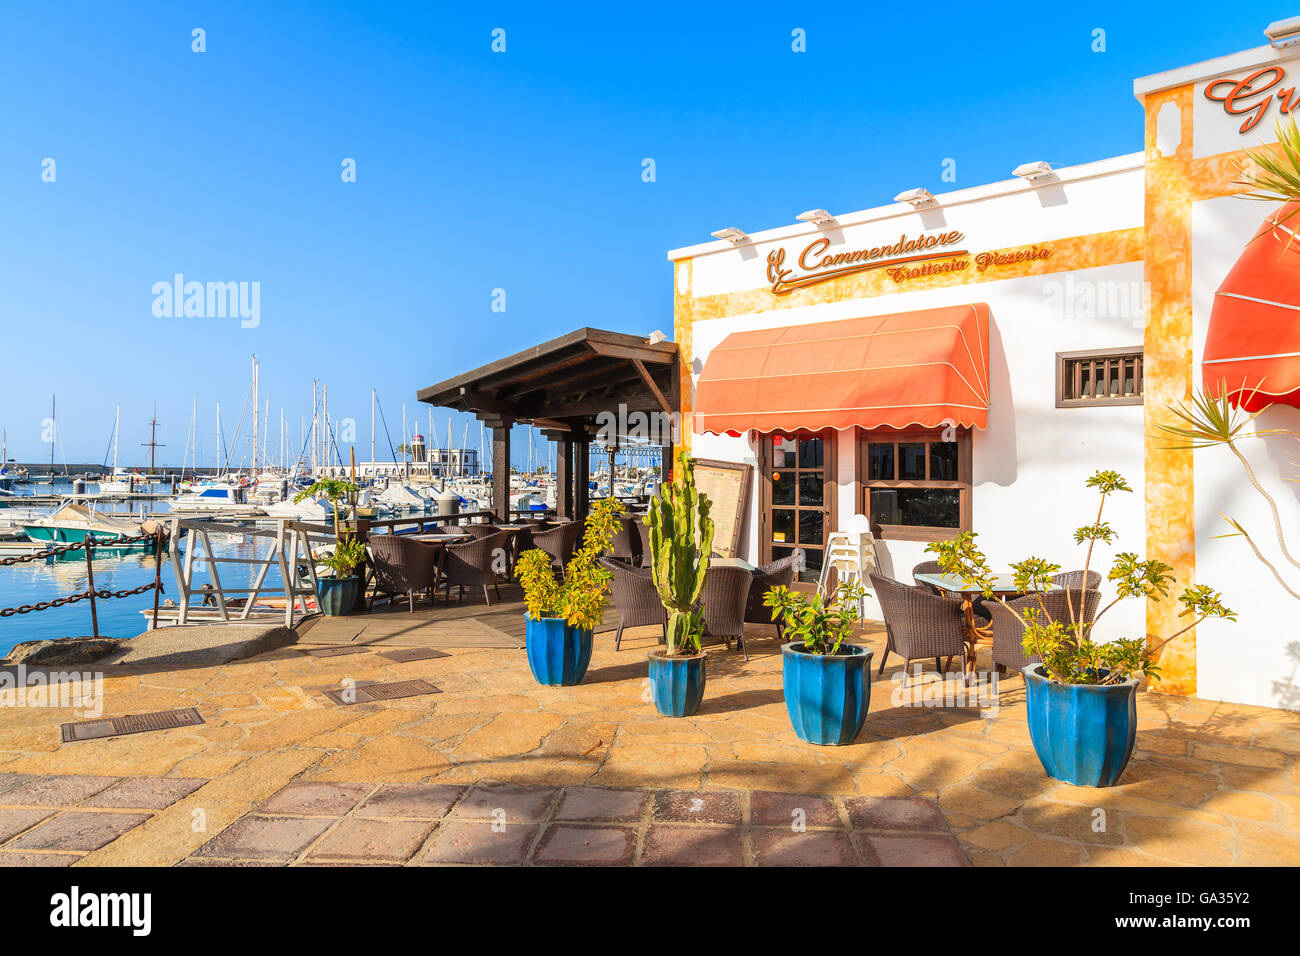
{"x":726,"y":593}
{"x":476,"y":530}
{"x":474,"y":563}
{"x":1073,"y":579}
{"x":932,"y":567}
{"x":766,"y":577}
{"x":919,"y":624}
{"x":401,"y":565}
{"x":926,"y":567}
{"x":635,"y":598}
{"x":643,"y":533}
{"x":1009,"y":632}
{"x":560,"y":543}
{"x":627,"y":543}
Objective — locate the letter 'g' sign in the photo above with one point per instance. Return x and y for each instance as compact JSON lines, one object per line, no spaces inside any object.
{"x":1253,"y":95}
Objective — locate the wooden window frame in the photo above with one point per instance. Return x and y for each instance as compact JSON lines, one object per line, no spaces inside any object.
{"x":830,"y":494}
{"x":1066,"y":360}
{"x":965,"y":464}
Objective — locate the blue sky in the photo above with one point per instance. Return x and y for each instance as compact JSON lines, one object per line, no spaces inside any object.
{"x":477,"y":171}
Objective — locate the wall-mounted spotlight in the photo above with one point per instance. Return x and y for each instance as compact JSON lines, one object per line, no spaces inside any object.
{"x":1283,"y":33}
{"x":1033,"y":171}
{"x":732,"y":234}
{"x":917,"y":197}
{"x":818,"y":217}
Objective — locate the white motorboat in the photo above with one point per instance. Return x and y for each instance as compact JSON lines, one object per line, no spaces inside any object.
{"x":309,"y":509}
{"x":214,"y":498}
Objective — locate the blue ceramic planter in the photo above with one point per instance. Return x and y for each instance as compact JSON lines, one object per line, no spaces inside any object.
{"x":677,"y":683}
{"x":558,"y":652}
{"x":1083,"y":734}
{"x":826,"y":696}
{"x":337,"y":596}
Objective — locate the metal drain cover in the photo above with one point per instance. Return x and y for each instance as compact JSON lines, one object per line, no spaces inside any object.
{"x":130,"y":724}
{"x":334,"y":651}
{"x":369,"y":693}
{"x":404,"y":654}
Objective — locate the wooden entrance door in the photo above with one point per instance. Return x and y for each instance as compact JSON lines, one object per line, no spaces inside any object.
{"x":798,"y":491}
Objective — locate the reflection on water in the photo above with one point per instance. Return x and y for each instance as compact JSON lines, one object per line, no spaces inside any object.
{"x":47,"y":579}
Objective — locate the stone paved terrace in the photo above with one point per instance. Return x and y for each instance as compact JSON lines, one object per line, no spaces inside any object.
{"x":1209,"y":783}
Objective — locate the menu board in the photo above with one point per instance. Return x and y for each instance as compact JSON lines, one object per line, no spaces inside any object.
{"x":726,"y":484}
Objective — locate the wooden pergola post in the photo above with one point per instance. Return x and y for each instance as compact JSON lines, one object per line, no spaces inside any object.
{"x":500,"y":467}
{"x":563,"y":471}
{"x":581,"y":476}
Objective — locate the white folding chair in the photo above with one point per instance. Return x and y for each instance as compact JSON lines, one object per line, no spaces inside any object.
{"x":852,"y":553}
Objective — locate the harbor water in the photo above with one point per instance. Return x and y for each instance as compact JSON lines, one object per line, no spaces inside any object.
{"x":49,"y":578}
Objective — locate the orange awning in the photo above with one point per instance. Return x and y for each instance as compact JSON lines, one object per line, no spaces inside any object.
{"x":928,"y":369}
{"x":1252,"y":350}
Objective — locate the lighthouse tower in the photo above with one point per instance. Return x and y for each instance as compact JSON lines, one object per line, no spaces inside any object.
{"x":417,"y":448}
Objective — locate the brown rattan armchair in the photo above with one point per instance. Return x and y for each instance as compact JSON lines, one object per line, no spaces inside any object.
{"x":919,"y":624}
{"x":643,"y":535}
{"x":401,"y":565}
{"x":926,"y":567}
{"x":769,"y":576}
{"x":476,"y":563}
{"x":1009,"y":632}
{"x":475,"y":530}
{"x":627,"y":543}
{"x":560,"y":543}
{"x":635,"y":598}
{"x":1073,"y":580}
{"x":726,"y":593}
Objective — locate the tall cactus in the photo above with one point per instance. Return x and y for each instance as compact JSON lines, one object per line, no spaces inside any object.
{"x":681,"y":541}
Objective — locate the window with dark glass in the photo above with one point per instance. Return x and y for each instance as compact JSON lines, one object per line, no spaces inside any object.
{"x":1099,"y":377}
{"x":916,"y":484}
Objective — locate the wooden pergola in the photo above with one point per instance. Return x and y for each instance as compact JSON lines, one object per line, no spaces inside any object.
{"x":588,"y":383}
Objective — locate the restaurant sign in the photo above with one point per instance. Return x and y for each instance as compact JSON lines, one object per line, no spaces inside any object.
{"x":926,"y":255}
{"x":819,"y":266}
{"x":1253,"y":95}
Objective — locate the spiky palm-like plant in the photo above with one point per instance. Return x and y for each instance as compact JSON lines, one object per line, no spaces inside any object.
{"x":1273,"y":174}
{"x":681,"y":542}
{"x":1213,"y":421}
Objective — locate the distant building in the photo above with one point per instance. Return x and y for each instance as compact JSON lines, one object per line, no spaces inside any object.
{"x":432,"y":463}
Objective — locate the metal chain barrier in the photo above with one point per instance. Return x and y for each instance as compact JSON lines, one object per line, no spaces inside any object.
{"x":89,"y":544}
{"x":75,"y":546}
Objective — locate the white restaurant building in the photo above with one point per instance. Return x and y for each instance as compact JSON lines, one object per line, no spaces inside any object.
{"x":965,"y":361}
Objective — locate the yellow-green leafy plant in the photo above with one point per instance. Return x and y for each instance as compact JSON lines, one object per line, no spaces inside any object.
{"x":581,"y":597}
{"x":333,"y":490}
{"x":1212,"y":421}
{"x":822,"y":626}
{"x":349,"y":550}
{"x":1068,"y":653}
{"x":681,"y":543}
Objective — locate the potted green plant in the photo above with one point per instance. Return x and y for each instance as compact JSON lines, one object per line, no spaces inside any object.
{"x":681,"y":542}
{"x":1082,"y":695}
{"x":827,"y":681}
{"x":562,"y":615}
{"x":338,"y":591}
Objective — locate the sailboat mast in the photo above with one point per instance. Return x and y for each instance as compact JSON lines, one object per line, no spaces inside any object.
{"x":372,"y":424}
{"x":325,"y":425}
{"x":117,"y":421}
{"x":315,"y":440}
{"x":255,"y":411}
{"x":220,"y":443}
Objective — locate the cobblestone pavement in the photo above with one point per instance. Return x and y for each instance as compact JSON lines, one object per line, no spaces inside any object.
{"x":1209,"y":783}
